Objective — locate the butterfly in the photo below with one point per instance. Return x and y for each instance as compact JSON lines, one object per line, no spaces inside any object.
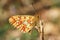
{"x":24,"y":23}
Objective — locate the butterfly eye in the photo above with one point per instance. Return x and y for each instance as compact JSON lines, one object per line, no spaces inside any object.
{"x":22,"y":22}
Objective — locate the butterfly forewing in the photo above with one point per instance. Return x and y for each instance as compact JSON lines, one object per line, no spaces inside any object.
{"x":22,"y":22}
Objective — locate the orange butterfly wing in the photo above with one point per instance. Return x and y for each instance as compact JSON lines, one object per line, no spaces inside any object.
{"x":22,"y":22}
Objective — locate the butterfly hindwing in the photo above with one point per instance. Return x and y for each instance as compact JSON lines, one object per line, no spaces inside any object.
{"x":22,"y":22}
